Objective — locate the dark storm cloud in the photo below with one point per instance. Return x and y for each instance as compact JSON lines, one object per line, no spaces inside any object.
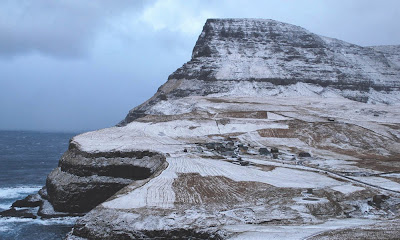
{"x":63,"y":28}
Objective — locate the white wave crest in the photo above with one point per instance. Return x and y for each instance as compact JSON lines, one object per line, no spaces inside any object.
{"x":16,"y":192}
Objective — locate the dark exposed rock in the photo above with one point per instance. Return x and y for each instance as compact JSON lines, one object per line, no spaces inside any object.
{"x":230,"y":144}
{"x":377,"y":200}
{"x":71,"y":193}
{"x":43,"y":193}
{"x":135,"y":165}
{"x":46,"y":210}
{"x":228,"y":153}
{"x":132,"y":115}
{"x":224,"y":121}
{"x":214,"y":146}
{"x":244,"y":163}
{"x":33,"y":200}
{"x":85,"y":179}
{"x":21,"y":213}
{"x":179,"y":234}
{"x":274,"y":150}
{"x":304,"y":155}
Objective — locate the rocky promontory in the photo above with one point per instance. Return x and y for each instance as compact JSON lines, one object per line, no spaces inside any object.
{"x":268,"y":132}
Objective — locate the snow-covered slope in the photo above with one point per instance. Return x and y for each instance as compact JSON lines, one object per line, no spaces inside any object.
{"x":218,"y":186}
{"x":257,"y":137}
{"x":233,"y":55}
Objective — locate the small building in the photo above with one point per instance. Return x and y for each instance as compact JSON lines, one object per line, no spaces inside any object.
{"x":243,"y":149}
{"x":264,"y":151}
{"x":274,"y":150}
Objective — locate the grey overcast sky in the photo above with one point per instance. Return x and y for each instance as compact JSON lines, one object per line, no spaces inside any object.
{"x":75,"y":65}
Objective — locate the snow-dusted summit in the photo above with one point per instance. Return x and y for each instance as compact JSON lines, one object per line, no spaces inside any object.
{"x":257,"y":57}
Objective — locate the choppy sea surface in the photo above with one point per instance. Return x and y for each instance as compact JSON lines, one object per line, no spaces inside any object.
{"x":26,"y":158}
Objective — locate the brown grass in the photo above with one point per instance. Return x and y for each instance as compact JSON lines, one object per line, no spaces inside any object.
{"x":192,"y":188}
{"x":245,"y":114}
{"x":382,"y":230}
{"x":276,"y":133}
{"x":380,"y":163}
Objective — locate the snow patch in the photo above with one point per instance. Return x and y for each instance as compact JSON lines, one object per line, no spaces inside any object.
{"x":347,"y":188}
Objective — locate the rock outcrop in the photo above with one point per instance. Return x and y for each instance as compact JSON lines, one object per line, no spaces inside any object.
{"x":85,"y":179}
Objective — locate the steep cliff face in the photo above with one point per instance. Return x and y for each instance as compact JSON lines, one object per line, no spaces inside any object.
{"x":267,"y":50}
{"x":256,"y":57}
{"x":85,"y":179}
{"x":391,"y":52}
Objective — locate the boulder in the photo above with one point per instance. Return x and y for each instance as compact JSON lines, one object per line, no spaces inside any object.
{"x":378,"y":199}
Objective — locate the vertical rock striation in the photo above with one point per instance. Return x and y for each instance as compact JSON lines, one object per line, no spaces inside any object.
{"x":233,"y":55}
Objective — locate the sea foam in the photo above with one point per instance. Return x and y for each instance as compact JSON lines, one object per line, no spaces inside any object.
{"x":17,"y":192}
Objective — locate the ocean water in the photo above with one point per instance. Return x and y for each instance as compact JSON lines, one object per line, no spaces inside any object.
{"x":26,"y":158}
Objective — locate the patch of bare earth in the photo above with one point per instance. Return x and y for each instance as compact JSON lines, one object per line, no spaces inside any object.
{"x":222,"y":192}
{"x":222,"y":100}
{"x":276,"y":133}
{"x":380,"y":163}
{"x":195,"y":115}
{"x":376,"y":151}
{"x":226,"y":135}
{"x":384,"y":230}
{"x":244,"y":114}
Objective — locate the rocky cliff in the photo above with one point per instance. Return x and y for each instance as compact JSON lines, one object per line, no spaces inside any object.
{"x":242,"y":57}
{"x":269,"y":131}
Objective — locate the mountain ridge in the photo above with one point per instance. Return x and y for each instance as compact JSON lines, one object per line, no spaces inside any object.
{"x":274,"y":54}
